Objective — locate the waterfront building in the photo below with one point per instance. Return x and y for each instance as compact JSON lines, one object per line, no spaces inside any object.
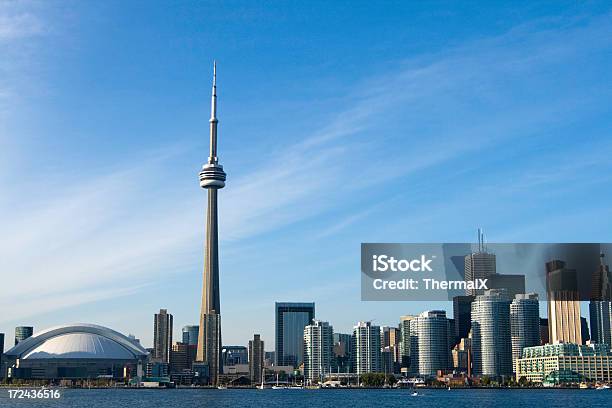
{"x":190,"y":335}
{"x":233,"y":355}
{"x":76,"y":351}
{"x":269,"y":358}
{"x":162,"y":335}
{"x":155,"y":368}
{"x":564,"y":324}
{"x":554,"y":364}
{"x":462,"y":313}
{"x":291,"y":319}
{"x":22,"y":333}
{"x":491,"y":342}
{"x":524,"y":323}
{"x":318,"y":350}
{"x":404,"y":342}
{"x":479,"y":265}
{"x":390,"y":339}
{"x":386,"y":360}
{"x":179,"y":357}
{"x":429,"y":348}
{"x":342,"y":357}
{"x":462,"y":356}
{"x":366,"y":348}
{"x":256,"y":358}
{"x":212,"y":178}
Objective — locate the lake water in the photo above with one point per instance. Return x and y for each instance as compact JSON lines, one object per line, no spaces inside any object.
{"x":379,"y":398}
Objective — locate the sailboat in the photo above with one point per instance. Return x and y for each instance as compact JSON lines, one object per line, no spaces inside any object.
{"x":263,"y":377}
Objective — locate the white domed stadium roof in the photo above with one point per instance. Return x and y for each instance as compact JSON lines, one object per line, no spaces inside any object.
{"x":78,"y":341}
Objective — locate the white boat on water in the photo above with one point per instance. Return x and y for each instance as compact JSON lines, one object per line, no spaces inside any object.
{"x":603,"y":387}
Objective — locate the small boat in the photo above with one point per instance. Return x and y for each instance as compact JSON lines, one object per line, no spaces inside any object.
{"x":221,"y":387}
{"x":414,"y":394}
{"x":603,"y":387}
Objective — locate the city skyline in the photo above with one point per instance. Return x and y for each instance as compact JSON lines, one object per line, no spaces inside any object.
{"x":116,"y":224}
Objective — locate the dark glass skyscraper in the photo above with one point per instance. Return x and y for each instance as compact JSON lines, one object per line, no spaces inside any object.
{"x":22,"y":333}
{"x":291,"y":318}
{"x":600,"y":307}
{"x":190,"y":335}
{"x":462,"y":314}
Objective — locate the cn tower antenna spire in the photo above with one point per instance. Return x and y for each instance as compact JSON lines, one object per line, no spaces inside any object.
{"x":213,"y":118}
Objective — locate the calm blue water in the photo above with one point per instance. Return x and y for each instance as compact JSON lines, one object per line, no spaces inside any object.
{"x":318,"y":398}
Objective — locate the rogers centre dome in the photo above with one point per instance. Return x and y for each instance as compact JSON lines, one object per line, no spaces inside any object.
{"x":76,"y":351}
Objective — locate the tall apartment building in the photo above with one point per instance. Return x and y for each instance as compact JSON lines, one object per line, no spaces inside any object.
{"x":524,"y":324}
{"x":366,"y":348}
{"x":256,"y":359}
{"x":162,"y":335}
{"x":318,"y":350}
{"x":491,"y":343}
{"x":429,"y":347}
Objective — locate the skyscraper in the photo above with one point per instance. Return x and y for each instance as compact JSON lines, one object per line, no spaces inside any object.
{"x":479,"y":265}
{"x":179,"y":357}
{"x":190,"y":335}
{"x":318,"y":350}
{"x":429,"y":349}
{"x":291,"y":319}
{"x":366,"y":348}
{"x":212,"y":178}
{"x":256,"y":358}
{"x":524,"y":324}
{"x":232,"y":355}
{"x":491,"y":344}
{"x":563,"y":304}
{"x":600,"y":312}
{"x":600,"y":307}
{"x":342,"y":352}
{"x":390,"y":338}
{"x":404,"y":342}
{"x":22,"y":333}
{"x":462,"y":312}
{"x":162,"y":335}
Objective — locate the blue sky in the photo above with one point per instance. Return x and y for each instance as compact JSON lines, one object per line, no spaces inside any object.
{"x":340,"y":123}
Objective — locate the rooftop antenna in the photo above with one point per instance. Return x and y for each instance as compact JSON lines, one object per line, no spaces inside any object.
{"x":481,"y":241}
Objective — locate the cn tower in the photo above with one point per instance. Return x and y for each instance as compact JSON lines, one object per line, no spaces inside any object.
{"x":212,"y":178}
